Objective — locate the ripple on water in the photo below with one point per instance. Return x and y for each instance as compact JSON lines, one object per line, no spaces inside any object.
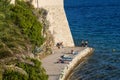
{"x":100,"y":25}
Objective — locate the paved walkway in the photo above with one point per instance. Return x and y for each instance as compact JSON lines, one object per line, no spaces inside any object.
{"x":52,"y":68}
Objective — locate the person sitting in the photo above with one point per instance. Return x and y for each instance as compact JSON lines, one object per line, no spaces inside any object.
{"x":82,"y":43}
{"x":58,"y":45}
{"x":86,"y":43}
{"x":61,"y":44}
{"x":72,"y":52}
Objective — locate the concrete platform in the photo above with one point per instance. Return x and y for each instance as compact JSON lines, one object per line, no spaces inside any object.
{"x":54,"y":69}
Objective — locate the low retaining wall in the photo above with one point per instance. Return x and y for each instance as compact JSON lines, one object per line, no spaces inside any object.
{"x":67,"y":70}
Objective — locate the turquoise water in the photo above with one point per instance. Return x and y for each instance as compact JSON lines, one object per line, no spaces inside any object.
{"x":99,"y":23}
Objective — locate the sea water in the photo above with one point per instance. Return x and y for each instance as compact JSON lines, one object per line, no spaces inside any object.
{"x":97,"y":21}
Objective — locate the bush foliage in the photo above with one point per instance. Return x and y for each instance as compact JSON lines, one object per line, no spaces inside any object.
{"x":23,"y":16}
{"x":19,"y":27}
{"x":34,"y":72}
{"x":12,"y":75}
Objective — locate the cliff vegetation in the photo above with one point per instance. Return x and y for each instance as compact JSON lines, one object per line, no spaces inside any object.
{"x":21,"y":29}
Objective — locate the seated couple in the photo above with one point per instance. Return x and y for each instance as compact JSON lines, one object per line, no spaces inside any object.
{"x":59,"y":45}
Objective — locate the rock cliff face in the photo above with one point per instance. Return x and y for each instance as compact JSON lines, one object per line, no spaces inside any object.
{"x":59,"y":27}
{"x":58,"y":22}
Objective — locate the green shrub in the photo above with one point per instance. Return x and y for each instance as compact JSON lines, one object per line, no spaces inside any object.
{"x":1,"y":45}
{"x":20,"y":16}
{"x":11,"y":45}
{"x":35,"y":72}
{"x":0,"y":72}
{"x":19,"y":28}
{"x":12,"y":75}
{"x":4,"y":52}
{"x":23,"y":16}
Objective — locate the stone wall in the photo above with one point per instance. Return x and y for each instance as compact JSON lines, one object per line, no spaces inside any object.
{"x":59,"y":27}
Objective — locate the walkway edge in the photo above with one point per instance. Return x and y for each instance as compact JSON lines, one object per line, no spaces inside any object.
{"x":68,"y":69}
